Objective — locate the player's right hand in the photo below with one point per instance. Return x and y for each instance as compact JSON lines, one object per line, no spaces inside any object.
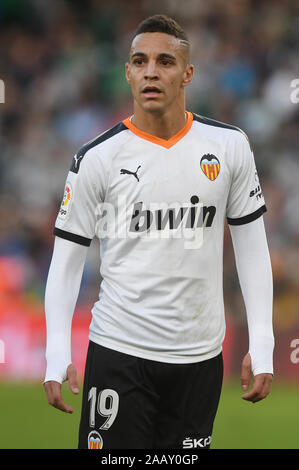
{"x":53,"y":390}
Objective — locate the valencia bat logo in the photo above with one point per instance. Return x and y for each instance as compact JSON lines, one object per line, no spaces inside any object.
{"x":210,"y":165}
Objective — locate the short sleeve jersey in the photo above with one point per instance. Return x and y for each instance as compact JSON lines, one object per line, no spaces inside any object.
{"x":158,"y":208}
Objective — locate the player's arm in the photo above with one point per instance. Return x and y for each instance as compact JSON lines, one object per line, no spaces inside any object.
{"x":75,"y":227}
{"x":245,"y":207}
{"x":255,"y":276}
{"x":62,"y":289}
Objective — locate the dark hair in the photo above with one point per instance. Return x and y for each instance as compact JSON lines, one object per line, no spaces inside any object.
{"x":161,"y":24}
{"x":164,"y":24}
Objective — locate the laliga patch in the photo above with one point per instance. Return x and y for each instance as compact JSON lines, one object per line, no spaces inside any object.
{"x":95,"y":440}
{"x":66,"y":201}
{"x":210,"y":165}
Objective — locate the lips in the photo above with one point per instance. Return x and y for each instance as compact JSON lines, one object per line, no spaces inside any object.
{"x":151,"y":91}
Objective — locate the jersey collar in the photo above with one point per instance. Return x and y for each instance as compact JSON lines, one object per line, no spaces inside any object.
{"x":157,"y":140}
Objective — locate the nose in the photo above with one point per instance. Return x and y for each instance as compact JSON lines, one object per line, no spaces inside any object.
{"x":151,"y":72}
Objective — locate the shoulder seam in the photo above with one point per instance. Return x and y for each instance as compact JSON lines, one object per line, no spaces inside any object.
{"x":213,"y":122}
{"x":96,"y":141}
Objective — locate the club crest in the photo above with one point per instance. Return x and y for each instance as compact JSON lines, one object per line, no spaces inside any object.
{"x":210,"y":165}
{"x":95,"y":440}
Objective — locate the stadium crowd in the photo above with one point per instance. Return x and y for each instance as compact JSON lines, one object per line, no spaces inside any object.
{"x":62,"y":63}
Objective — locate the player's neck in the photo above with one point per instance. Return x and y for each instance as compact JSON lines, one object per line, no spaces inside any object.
{"x":164,"y":125}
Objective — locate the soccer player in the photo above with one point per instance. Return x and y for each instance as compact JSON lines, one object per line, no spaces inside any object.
{"x":156,"y":190}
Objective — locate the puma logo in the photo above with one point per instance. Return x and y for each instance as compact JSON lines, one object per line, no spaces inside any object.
{"x":77,"y":159}
{"x":123,"y":171}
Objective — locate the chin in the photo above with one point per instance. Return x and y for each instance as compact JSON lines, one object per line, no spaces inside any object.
{"x":153,"y":107}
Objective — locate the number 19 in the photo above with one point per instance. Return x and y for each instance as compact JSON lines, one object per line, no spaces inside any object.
{"x":109,"y":411}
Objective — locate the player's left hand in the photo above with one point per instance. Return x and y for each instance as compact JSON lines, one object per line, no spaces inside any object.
{"x":261,"y":382}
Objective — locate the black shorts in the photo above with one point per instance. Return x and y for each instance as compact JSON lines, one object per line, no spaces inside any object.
{"x":135,"y":403}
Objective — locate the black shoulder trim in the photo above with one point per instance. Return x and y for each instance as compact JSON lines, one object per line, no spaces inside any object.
{"x":72,"y":237}
{"x":92,"y":143}
{"x":248,"y":218}
{"x":213,"y":122}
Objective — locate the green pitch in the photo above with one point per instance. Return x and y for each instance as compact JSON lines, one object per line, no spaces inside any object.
{"x":28,"y":422}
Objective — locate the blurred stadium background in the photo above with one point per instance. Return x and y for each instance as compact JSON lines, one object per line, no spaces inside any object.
{"x":62,"y":63}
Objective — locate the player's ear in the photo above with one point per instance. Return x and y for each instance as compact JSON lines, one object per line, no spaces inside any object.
{"x":128,"y":75}
{"x":188,"y":74}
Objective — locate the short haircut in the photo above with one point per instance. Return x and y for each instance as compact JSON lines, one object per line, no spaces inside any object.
{"x":164,"y":24}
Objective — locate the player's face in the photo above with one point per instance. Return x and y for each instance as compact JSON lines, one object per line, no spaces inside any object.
{"x":157,"y":71}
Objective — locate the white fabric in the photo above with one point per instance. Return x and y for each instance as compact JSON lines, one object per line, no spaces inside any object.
{"x":166,"y":176}
{"x":161,"y":297}
{"x":61,"y":295}
{"x":255,"y":276}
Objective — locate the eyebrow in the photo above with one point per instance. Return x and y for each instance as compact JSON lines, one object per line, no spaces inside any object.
{"x":163,"y":55}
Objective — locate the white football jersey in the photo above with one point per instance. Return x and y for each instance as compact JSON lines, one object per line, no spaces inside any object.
{"x":159,"y":207}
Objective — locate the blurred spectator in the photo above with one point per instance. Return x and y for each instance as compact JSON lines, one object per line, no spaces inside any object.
{"x":63,"y":67}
